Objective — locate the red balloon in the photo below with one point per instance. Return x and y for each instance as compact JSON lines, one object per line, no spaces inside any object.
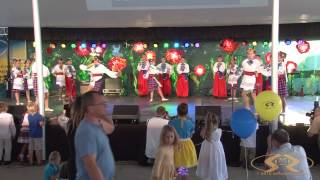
{"x":303,"y":47}
{"x":228,"y":45}
{"x":199,"y":70}
{"x":268,"y":57}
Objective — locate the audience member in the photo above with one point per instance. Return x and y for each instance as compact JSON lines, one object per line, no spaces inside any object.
{"x":154,"y":126}
{"x":212,"y":160}
{"x":163,"y":168}
{"x":51,"y":170}
{"x":291,"y":160}
{"x":315,"y":125}
{"x":23,"y":138}
{"x":184,"y":156}
{"x":248,"y":149}
{"x":94,"y":158}
{"x":36,"y":123}
{"x":7,"y":133}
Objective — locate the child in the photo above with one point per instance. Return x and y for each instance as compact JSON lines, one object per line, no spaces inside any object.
{"x":249,"y":67}
{"x":143,"y":67}
{"x":17,"y":76}
{"x":182,"y":82}
{"x":259,"y":78}
{"x":58,"y":71}
{"x":219,"y":82}
{"x":282,"y":80}
{"x":153,"y":83}
{"x":24,"y":135}
{"x":212,"y":161}
{"x":35,"y":126}
{"x":164,"y":76}
{"x":233,"y":76}
{"x":185,"y":156}
{"x":248,"y":149}
{"x":7,"y":133}
{"x":70,"y":73}
{"x":163,"y":168}
{"x":28,"y":84}
{"x":51,"y":170}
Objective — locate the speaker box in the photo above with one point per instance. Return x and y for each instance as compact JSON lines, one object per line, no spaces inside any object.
{"x":126,"y":114}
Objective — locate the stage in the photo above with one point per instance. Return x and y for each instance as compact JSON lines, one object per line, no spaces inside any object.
{"x":296,"y":110}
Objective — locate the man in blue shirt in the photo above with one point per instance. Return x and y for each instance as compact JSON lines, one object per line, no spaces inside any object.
{"x":94,"y":158}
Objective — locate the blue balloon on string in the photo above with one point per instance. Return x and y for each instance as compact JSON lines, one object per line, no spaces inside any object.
{"x":243,"y":123}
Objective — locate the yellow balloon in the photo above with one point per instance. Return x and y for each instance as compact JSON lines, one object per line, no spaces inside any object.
{"x":268,"y":105}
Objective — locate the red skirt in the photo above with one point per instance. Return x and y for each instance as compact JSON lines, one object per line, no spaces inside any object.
{"x":182,"y":86}
{"x":165,"y":81}
{"x":219,"y":86}
{"x":259,"y":83}
{"x":70,"y":87}
{"x":142,"y":85}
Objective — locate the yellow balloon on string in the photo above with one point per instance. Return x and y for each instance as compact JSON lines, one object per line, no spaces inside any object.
{"x":268,"y":105}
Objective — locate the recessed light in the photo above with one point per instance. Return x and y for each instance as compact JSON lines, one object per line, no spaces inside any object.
{"x":304,"y":17}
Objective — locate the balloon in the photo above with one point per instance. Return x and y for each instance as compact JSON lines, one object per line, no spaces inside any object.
{"x":243,"y":123}
{"x":268,"y":105}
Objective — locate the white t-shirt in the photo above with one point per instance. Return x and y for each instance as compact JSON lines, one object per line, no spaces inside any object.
{"x":250,"y":142}
{"x":154,"y":127}
{"x":7,"y":127}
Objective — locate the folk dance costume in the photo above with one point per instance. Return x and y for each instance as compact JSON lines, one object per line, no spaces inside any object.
{"x":143,"y":67}
{"x":259,"y":79}
{"x":45,"y":73}
{"x":282,"y":80}
{"x":59,"y":71}
{"x":249,"y":68}
{"x":182,"y":83}
{"x":70,"y":76}
{"x":151,"y":74}
{"x":164,"y":77}
{"x":96,"y":73}
{"x":18,"y":81}
{"x":212,"y":161}
{"x":28,"y":82}
{"x":219,"y":82}
{"x":233,"y":76}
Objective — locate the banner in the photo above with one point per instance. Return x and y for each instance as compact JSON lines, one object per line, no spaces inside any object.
{"x":3,"y":58}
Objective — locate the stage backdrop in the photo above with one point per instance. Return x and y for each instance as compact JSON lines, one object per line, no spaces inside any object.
{"x":302,"y":56}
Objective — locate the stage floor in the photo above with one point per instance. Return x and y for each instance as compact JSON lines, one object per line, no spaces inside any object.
{"x":297,"y":107}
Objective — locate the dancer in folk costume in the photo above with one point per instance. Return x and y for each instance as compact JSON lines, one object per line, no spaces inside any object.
{"x":70,"y":72}
{"x":182,"y":83}
{"x":282,"y":80}
{"x":59,"y":72}
{"x":45,"y":74}
{"x":143,"y":67}
{"x":249,"y":67}
{"x":233,"y":76}
{"x":219,"y":82}
{"x":28,"y":82}
{"x":153,"y":83}
{"x":164,"y":76}
{"x":97,"y":70}
{"x":17,"y":76}
{"x":259,"y":78}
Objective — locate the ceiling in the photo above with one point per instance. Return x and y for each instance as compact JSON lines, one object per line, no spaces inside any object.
{"x":152,"y":13}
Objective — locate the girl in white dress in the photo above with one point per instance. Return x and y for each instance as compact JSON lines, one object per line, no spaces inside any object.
{"x":212,"y":162}
{"x":17,"y":76}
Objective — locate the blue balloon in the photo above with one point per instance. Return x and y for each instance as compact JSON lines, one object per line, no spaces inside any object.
{"x":243,"y":123}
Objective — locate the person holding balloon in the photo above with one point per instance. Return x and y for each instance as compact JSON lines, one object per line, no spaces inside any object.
{"x":249,"y":67}
{"x":219,"y":82}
